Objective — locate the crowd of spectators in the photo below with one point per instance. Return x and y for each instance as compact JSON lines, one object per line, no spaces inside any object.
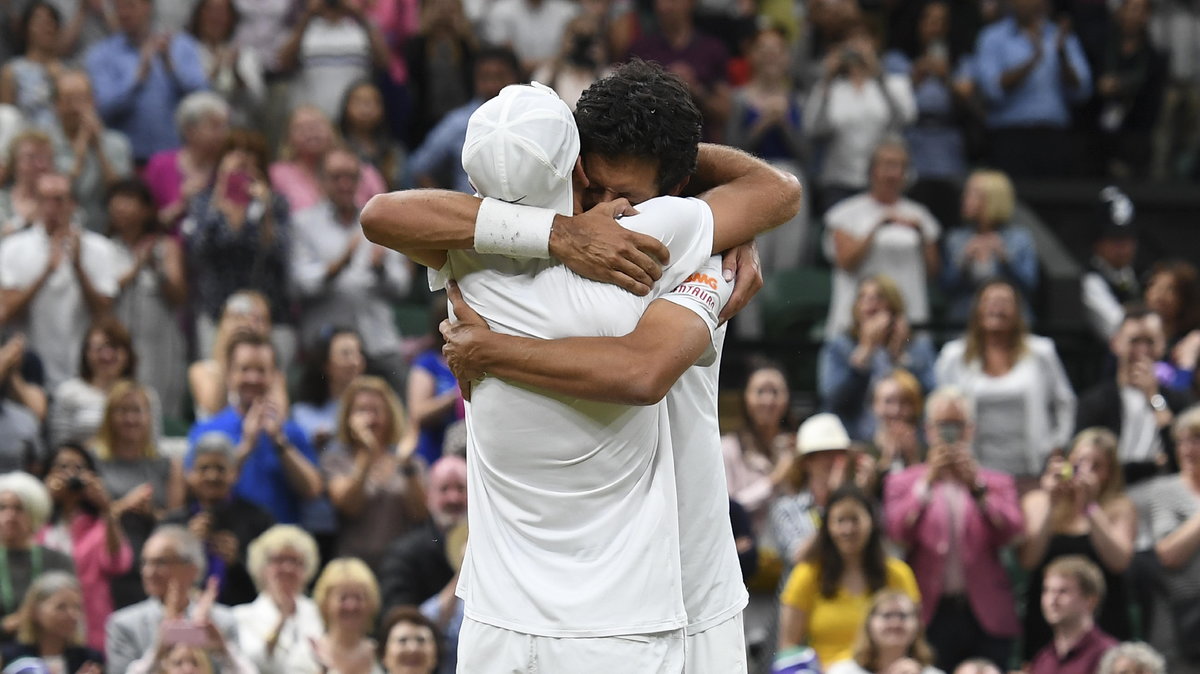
{"x":200,"y":358}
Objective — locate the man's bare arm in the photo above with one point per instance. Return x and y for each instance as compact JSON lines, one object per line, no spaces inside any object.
{"x":635,"y":369}
{"x":747,"y":195}
{"x":423,"y":224}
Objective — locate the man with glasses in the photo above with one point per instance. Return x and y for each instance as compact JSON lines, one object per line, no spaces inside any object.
{"x":224,"y":522}
{"x":55,"y":277}
{"x":954,"y":518}
{"x":173,"y":561}
{"x":343,"y":279}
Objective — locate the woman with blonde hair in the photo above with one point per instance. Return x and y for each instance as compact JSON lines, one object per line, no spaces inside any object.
{"x":897,"y":403}
{"x":890,"y":641}
{"x":281,"y":621}
{"x":50,"y":626}
{"x":1079,"y":508}
{"x":30,"y":154}
{"x":1024,"y":403}
{"x":989,"y":247}
{"x":348,"y":598}
{"x":878,"y":341}
{"x":143,"y":484}
{"x":374,"y":481}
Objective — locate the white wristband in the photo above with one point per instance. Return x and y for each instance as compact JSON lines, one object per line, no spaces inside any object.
{"x":516,"y":231}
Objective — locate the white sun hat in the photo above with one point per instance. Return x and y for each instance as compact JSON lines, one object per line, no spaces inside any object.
{"x":821,"y":433}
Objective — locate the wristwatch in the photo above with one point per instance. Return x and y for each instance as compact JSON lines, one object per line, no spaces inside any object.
{"x":1158,"y":402}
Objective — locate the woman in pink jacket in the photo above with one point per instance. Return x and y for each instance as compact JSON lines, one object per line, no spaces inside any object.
{"x":85,"y":527}
{"x":953,"y":518}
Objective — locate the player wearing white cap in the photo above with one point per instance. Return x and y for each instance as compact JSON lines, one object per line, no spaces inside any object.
{"x":638,"y":368}
{"x":598,"y":579}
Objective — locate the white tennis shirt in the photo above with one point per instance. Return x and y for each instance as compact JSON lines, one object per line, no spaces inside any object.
{"x":572,"y":503}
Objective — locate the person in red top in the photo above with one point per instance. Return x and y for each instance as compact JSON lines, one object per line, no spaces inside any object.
{"x":1072,"y":589}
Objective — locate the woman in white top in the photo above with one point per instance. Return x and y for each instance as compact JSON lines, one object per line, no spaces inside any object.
{"x":852,"y":107}
{"x":281,"y":622}
{"x":347,"y":595}
{"x":331,"y":46}
{"x":890,"y":641}
{"x":79,"y":403}
{"x":1024,"y":404}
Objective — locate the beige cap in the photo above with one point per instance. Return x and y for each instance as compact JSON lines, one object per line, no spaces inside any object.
{"x":822,"y":432}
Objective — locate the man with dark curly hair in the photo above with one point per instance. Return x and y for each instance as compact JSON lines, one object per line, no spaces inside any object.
{"x":569,"y":560}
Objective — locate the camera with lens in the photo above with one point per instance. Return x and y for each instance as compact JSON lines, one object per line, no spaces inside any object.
{"x":75,"y":483}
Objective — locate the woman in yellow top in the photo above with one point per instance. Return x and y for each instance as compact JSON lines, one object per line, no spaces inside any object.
{"x":828,"y":596}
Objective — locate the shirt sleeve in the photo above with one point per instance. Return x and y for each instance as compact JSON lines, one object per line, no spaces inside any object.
{"x":685,"y":227}
{"x":308,"y":266}
{"x":705,"y":293}
{"x":102,"y":267}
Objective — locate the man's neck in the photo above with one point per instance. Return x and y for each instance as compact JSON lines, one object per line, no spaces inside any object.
{"x":1030,"y":22}
{"x":885,"y":198}
{"x":139,"y":36}
{"x":70,"y":124}
{"x":346,"y":216}
{"x":54,"y":230}
{"x":1068,"y":634}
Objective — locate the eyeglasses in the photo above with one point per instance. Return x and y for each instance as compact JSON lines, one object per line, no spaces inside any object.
{"x":161,"y":562}
{"x":286,"y":560}
{"x":895,"y":615}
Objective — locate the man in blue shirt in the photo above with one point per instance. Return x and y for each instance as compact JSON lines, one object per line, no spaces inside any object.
{"x":438,"y":161}
{"x":1031,"y":72}
{"x":139,"y":78}
{"x":274,"y":462}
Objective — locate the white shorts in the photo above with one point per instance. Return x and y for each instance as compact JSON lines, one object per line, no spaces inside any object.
{"x":485,"y":649}
{"x":720,"y":649}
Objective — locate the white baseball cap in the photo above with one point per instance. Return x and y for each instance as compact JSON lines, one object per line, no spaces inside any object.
{"x":521,"y":147}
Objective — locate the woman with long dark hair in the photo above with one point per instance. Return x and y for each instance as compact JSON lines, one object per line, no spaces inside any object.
{"x":26,"y":81}
{"x":151,"y":287}
{"x":332,"y":364}
{"x":759,"y":456}
{"x":363,"y":123}
{"x":86,"y":525}
{"x":829,"y":594}
{"x":1173,"y":292}
{"x":241,"y":232}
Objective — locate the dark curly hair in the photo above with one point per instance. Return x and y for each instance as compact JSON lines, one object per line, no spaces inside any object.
{"x":825,"y":555}
{"x":641,"y":111}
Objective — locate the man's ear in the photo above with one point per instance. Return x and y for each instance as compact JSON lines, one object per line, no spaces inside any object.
{"x":578,"y":174}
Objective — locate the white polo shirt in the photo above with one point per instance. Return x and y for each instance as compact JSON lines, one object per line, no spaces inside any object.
{"x":713,"y":590}
{"x":572,"y":509}
{"x":58,"y":317}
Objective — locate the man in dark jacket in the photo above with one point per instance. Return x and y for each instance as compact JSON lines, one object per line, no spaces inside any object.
{"x":1134,"y":405}
{"x":417,"y":566}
